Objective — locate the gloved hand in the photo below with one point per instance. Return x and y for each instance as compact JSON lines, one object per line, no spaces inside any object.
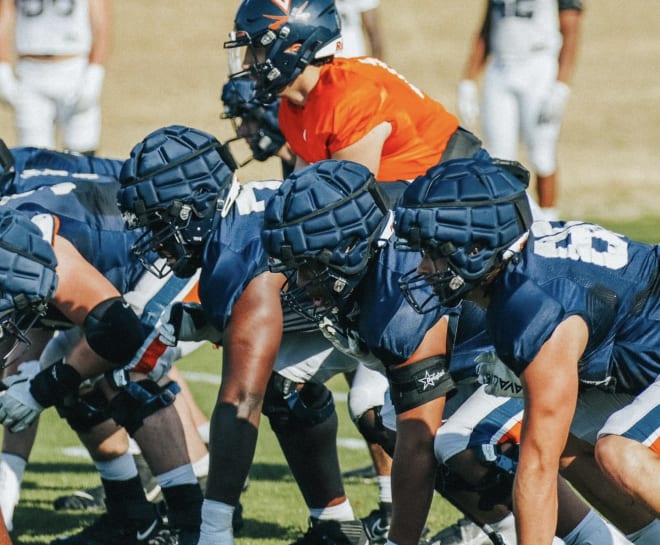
{"x":186,"y":322}
{"x":349,"y":342}
{"x":554,"y":103}
{"x":89,"y":91}
{"x":8,"y":84}
{"x":18,"y":408}
{"x":499,"y":379}
{"x":468,"y":103}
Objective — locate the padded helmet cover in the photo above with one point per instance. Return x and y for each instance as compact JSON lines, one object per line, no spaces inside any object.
{"x":331,"y":212}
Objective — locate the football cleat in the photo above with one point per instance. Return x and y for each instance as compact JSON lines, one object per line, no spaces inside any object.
{"x":333,"y":532}
{"x":377,"y":524}
{"x":462,"y":532}
{"x":108,"y":530}
{"x":82,"y":500}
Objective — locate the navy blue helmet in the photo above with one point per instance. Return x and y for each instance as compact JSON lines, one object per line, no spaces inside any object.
{"x":324,"y":221}
{"x":280,"y":39}
{"x":255,"y":122}
{"x":27,"y":278}
{"x":467,"y":211}
{"x":173,"y":184}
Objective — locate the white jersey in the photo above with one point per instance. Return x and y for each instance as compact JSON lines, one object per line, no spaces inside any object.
{"x":53,"y":27}
{"x":520,"y":28}
{"x":350,"y":12}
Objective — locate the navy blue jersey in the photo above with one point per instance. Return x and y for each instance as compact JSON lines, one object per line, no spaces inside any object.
{"x":388,"y":325}
{"x":581,"y":269}
{"x":87,"y":215}
{"x":234,"y":254}
{"x":39,"y":166}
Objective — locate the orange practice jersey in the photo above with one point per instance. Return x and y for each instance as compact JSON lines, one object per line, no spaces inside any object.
{"x":355,"y":95}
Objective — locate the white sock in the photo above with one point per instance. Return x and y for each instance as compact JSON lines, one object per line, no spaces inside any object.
{"x":550,"y":213}
{"x":506,"y":528}
{"x":204,"y":431}
{"x":216,"y":526}
{"x":593,"y":530}
{"x":179,"y":475}
{"x":121,"y":468}
{"x":12,"y":468}
{"x":384,"y":488}
{"x":340,"y":512}
{"x":649,"y":535}
{"x":201,"y":466}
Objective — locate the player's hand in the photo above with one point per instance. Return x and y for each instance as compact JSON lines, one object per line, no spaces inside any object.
{"x":499,"y":379}
{"x":554,"y":104}
{"x":186,"y":322}
{"x":90,"y":88}
{"x":8,"y":84}
{"x":468,"y":103}
{"x":18,"y":408}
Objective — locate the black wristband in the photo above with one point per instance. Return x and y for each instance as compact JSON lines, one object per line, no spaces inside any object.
{"x":52,"y":385}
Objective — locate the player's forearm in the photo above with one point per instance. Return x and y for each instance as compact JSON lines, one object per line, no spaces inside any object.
{"x":535,"y":507}
{"x":570,"y":30}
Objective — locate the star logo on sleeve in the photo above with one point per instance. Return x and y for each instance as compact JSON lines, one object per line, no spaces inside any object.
{"x":429,"y":380}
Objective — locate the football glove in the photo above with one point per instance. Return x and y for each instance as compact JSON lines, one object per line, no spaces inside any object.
{"x":348,"y":342}
{"x":186,"y":322}
{"x":468,"y":103}
{"x":554,"y":103}
{"x":8,"y":84}
{"x":18,"y":408}
{"x":499,"y":379}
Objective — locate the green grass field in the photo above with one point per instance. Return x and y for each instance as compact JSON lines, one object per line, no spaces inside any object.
{"x":273,"y":508}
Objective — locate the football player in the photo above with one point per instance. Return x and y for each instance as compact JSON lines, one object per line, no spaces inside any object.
{"x":358,"y":109}
{"x":79,"y":216}
{"x":529,"y":51}
{"x":329,"y":224}
{"x":197,"y":215}
{"x":571,"y":308}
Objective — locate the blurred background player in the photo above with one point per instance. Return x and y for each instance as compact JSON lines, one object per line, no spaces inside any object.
{"x":61,"y":49}
{"x":360,"y":28}
{"x":533,"y":47}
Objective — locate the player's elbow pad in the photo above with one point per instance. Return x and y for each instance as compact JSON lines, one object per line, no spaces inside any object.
{"x":114,"y":331}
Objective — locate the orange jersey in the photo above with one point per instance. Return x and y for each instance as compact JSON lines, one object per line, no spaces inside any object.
{"x":355,"y":95}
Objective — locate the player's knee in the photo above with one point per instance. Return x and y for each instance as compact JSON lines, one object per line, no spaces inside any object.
{"x":84,"y":412}
{"x":611,"y":454}
{"x":286,"y":403}
{"x":370,"y":425}
{"x":113,"y":330}
{"x":137,"y":401}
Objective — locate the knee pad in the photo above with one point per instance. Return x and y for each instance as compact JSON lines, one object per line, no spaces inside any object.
{"x":370,"y":425}
{"x":85,"y":411}
{"x":496,"y":486}
{"x":114,"y":331}
{"x":543,"y":161}
{"x":285,"y":404}
{"x":139,"y":400}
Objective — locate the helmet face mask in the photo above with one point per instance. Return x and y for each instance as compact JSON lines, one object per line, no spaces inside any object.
{"x":315,"y":291}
